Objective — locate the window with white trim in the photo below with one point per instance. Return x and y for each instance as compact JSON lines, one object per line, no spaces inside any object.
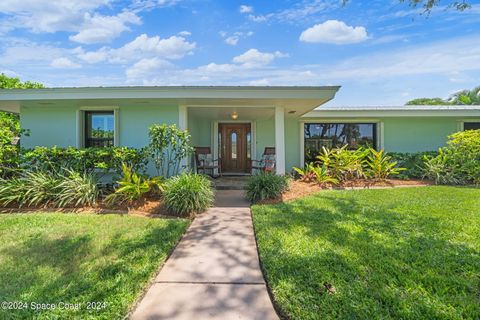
{"x":99,"y":129}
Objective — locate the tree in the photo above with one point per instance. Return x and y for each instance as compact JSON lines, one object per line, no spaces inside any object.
{"x":468,"y":97}
{"x":427,"y":101}
{"x":465,"y":97}
{"x":10,"y":129}
{"x":429,"y":5}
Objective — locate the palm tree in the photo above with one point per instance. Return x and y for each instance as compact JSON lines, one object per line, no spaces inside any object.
{"x":470,"y":97}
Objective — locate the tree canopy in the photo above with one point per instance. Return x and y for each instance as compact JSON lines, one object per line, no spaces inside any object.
{"x":428,"y":5}
{"x":465,"y":97}
{"x":7,"y":82}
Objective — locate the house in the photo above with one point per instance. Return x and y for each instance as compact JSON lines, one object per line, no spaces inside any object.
{"x":237,"y":123}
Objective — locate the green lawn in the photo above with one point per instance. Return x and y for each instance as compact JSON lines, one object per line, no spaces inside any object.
{"x":97,"y":261}
{"x":411,"y":253}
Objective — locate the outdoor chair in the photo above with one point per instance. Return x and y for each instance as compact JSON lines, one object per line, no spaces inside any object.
{"x":204,"y":161}
{"x":267,"y":162}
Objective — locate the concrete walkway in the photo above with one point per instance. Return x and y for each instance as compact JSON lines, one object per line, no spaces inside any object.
{"x":214,"y":272}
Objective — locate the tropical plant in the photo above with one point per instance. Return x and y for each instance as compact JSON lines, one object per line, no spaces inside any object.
{"x":468,"y":97}
{"x":188,"y":193}
{"x":343,"y":164}
{"x":133,"y":186}
{"x":427,"y":101}
{"x":380,"y":166}
{"x":36,"y":188}
{"x":77,"y":189}
{"x":307,"y":174}
{"x":168,"y":147}
{"x":322,"y":176}
{"x":266,"y":186}
{"x":458,"y":162}
{"x":412,"y":162}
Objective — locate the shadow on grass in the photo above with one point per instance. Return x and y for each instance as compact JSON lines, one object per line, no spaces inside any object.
{"x":383,"y":262}
{"x":79,"y":269}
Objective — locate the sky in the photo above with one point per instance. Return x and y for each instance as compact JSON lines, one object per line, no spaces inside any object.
{"x":381,"y":52}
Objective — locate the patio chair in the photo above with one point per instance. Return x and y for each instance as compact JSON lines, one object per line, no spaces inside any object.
{"x":204,"y":161}
{"x":267,"y":162}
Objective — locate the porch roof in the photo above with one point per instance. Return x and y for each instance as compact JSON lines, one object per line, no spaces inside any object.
{"x":300,"y":99}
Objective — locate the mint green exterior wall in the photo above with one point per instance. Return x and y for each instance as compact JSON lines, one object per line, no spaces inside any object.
{"x":264,"y":135}
{"x":135,"y":121}
{"x":58,"y":125}
{"x":417,"y":134}
{"x":49,"y":126}
{"x":201,"y":131}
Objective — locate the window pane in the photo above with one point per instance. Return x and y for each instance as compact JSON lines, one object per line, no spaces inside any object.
{"x":471,"y":125}
{"x":249,"y":145}
{"x":234,"y":145}
{"x":99,"y":129}
{"x":336,"y":135}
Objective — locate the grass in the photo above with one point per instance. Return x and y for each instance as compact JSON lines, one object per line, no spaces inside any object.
{"x":76,"y":259}
{"x":411,"y":253}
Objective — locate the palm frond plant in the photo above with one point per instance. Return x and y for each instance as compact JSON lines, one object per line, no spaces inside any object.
{"x":322,"y":176}
{"x":307,"y":174}
{"x":380,"y":165}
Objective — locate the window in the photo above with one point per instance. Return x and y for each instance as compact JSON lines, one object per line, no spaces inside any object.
{"x":471,"y":125}
{"x":99,"y":128}
{"x":336,"y":135}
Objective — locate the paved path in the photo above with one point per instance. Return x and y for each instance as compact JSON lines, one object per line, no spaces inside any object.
{"x":214,"y":272}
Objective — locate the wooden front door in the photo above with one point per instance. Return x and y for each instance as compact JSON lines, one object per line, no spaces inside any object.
{"x":235,"y":142}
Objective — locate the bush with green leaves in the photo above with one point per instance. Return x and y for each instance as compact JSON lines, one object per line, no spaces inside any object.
{"x":168,"y":146}
{"x":133,"y":186}
{"x":380,"y":165}
{"x":458,"y":162}
{"x":36,"y":188}
{"x":323,"y":177}
{"x":106,"y":159}
{"x":413,"y":163}
{"x":344,"y":164}
{"x":188,"y":193}
{"x":266,"y":185}
{"x":307,"y":174}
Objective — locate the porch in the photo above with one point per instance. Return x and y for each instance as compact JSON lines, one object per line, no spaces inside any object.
{"x":236,"y":135}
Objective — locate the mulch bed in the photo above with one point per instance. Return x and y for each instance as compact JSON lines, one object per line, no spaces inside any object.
{"x":300,"y":189}
{"x":144,"y":207}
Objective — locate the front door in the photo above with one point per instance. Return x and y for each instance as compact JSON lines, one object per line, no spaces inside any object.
{"x":235,"y":144}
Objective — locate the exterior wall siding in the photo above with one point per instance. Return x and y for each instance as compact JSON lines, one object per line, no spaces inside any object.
{"x":49,"y":126}
{"x":417,"y":134}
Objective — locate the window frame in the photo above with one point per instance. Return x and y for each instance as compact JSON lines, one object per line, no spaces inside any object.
{"x":378,"y":142}
{"x":81,"y":123}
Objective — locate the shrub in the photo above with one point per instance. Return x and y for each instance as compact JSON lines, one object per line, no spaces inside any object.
{"x":344,"y":164}
{"x":133,"y":186}
{"x":307,"y":174}
{"x":168,"y":146}
{"x":266,"y":186}
{"x":380,"y":166}
{"x":188,"y":193}
{"x":322,"y":176}
{"x":35,"y":188}
{"x":83,"y":160}
{"x":412,"y":162}
{"x":458,"y":162}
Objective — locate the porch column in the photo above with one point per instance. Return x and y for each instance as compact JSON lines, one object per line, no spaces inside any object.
{"x":280,"y":139}
{"x":183,"y":125}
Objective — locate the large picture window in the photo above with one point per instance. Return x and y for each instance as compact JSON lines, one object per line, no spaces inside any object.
{"x":336,"y":135}
{"x":99,"y":129}
{"x":471,"y":125}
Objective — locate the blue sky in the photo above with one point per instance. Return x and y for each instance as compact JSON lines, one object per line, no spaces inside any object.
{"x":381,"y":52}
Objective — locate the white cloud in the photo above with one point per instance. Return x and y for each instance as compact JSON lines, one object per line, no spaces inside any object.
{"x":184,"y":33}
{"x":99,"y":29}
{"x":245,"y":9}
{"x":152,"y":4}
{"x":253,"y":57}
{"x":175,"y":47}
{"x":147,"y":67}
{"x":334,"y":31}
{"x":235,"y":37}
{"x":259,"y":82}
{"x":232,"y":40}
{"x":299,"y":11}
{"x":64,"y":63}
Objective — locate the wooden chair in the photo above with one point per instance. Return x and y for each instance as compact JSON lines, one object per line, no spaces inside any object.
{"x":267,"y":162}
{"x":204,"y":161}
